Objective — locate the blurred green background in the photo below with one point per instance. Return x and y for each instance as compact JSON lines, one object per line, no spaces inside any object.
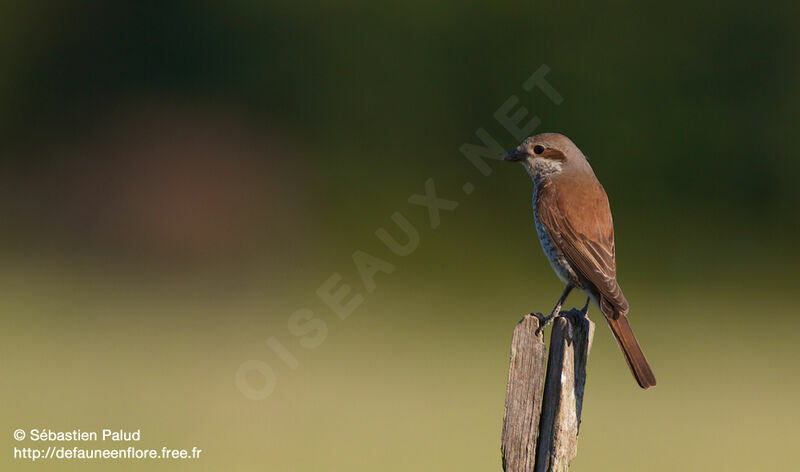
{"x":180,"y":177}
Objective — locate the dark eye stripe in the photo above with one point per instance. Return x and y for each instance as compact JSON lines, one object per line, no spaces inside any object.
{"x":538,"y":149}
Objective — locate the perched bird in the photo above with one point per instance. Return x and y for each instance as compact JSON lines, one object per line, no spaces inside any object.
{"x":573,"y":221}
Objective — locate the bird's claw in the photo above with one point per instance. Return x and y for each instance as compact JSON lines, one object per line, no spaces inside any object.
{"x":543,"y":321}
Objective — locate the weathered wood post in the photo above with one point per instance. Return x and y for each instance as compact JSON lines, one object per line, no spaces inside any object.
{"x":543,"y":406}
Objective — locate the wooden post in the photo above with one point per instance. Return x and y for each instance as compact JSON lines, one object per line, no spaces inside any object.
{"x":543,"y":409}
{"x":523,"y":396}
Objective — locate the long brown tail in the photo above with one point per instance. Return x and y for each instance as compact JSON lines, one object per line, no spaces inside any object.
{"x":633,"y":353}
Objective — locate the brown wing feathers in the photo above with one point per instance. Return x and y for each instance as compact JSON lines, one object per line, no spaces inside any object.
{"x":578,"y":220}
{"x":583,"y":231}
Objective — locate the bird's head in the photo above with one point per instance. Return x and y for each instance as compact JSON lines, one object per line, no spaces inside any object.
{"x":545,"y":154}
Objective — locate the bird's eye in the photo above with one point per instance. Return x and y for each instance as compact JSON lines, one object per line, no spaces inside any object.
{"x":538,"y":149}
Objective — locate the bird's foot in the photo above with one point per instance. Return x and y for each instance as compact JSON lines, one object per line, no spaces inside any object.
{"x":543,"y":321}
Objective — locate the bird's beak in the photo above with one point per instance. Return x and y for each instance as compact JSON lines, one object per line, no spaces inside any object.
{"x":515,"y":155}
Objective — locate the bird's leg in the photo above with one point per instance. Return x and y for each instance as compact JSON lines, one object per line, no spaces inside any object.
{"x":585,"y":309}
{"x":561,"y":300}
{"x":545,"y":320}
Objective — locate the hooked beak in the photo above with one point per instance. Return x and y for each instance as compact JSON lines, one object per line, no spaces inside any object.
{"x":515,"y":155}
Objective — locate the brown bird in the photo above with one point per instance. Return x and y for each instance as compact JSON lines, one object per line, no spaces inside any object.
{"x":573,"y":221}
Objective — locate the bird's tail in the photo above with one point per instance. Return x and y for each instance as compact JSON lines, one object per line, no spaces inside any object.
{"x":633,"y":353}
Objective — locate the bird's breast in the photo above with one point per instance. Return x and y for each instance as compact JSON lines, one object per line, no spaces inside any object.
{"x":560,"y":265}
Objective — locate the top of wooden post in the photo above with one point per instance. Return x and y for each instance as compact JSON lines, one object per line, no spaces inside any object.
{"x":543,"y":406}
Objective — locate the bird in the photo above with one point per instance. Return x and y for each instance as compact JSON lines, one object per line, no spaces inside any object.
{"x":573,"y":222}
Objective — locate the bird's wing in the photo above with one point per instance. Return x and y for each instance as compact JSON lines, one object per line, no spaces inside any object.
{"x":578,"y":220}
